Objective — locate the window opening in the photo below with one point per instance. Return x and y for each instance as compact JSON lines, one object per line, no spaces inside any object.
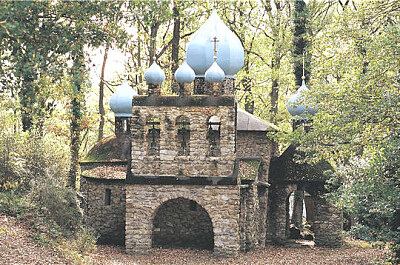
{"x":183,"y":137}
{"x":214,"y":132}
{"x":107,"y":197}
{"x":153,"y":136}
{"x":125,"y":125}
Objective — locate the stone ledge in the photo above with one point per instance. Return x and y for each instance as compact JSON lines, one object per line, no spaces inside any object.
{"x":194,"y":100}
{"x":181,"y":180}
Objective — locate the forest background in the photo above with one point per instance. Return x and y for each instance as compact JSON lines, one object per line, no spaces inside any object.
{"x":51,"y":113}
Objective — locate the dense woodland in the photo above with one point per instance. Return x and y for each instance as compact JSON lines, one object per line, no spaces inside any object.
{"x":51,"y":113}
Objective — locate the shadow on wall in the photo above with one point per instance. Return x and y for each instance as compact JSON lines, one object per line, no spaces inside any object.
{"x":182,"y":223}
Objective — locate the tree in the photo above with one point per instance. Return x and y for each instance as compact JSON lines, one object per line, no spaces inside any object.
{"x":356,"y":83}
{"x":31,"y":50}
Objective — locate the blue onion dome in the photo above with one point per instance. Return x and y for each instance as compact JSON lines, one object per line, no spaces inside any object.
{"x":184,"y":74}
{"x":215,"y":74}
{"x":121,"y":100}
{"x":297,"y":105}
{"x":154,"y":74}
{"x":200,"y":48}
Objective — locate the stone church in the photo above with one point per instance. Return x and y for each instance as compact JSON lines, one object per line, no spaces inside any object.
{"x":194,"y":170}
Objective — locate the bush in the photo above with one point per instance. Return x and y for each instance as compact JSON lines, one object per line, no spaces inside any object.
{"x":58,"y":204}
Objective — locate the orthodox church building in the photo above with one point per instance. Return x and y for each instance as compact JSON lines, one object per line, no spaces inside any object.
{"x":194,"y":170}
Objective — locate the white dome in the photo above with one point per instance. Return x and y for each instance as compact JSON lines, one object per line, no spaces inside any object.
{"x":154,"y":74}
{"x":200,"y":50}
{"x":121,"y":100}
{"x":184,"y":74}
{"x":297,"y":105}
{"x":215,"y":74}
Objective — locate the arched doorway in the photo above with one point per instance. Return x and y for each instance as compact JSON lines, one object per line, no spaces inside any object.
{"x":182,"y":223}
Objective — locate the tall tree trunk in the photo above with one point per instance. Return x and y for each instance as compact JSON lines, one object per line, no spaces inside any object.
{"x":101,"y":96}
{"x":300,"y":44}
{"x":153,"y":40}
{"x":175,"y":38}
{"x":275,"y":65}
{"x":175,"y":43}
{"x":27,"y":97}
{"x":75,"y":123}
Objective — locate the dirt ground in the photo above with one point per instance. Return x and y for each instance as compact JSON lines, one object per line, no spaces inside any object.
{"x":18,"y":247}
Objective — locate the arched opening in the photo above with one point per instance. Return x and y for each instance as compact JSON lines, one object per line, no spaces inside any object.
{"x":183,"y":135}
{"x":153,"y":136}
{"x":300,"y":215}
{"x":182,"y":223}
{"x":213,"y":135}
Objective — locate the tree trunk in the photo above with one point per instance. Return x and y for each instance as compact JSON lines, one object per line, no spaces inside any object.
{"x":175,"y":38}
{"x":27,"y":97}
{"x":300,"y":44}
{"x":101,"y":96}
{"x":75,"y":123}
{"x":275,"y":65}
{"x":175,"y":43}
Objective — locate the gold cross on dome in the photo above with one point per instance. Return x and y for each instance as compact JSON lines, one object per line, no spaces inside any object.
{"x":215,"y":40}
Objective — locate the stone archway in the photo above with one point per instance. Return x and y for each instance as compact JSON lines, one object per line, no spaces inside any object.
{"x":182,"y":223}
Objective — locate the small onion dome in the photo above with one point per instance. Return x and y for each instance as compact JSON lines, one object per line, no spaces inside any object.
{"x":200,"y":48}
{"x":297,"y":105}
{"x":215,"y":74}
{"x":184,"y":74}
{"x":121,"y":100}
{"x":154,"y":74}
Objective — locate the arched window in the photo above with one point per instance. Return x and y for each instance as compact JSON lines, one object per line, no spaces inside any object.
{"x":183,"y":135}
{"x":213,"y":135}
{"x":153,"y":136}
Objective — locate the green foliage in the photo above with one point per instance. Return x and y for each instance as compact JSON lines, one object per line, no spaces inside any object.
{"x":58,"y":204}
{"x":12,"y":204}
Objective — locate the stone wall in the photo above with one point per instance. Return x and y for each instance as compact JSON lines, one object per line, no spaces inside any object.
{"x":220,"y":202}
{"x":107,"y":220}
{"x":256,"y":144}
{"x":249,"y":218}
{"x":328,"y":224}
{"x":182,"y":223}
{"x":169,"y":162}
{"x":278,"y":213}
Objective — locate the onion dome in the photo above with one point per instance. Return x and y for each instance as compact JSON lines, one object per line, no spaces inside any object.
{"x":184,"y":74}
{"x":121,"y":100}
{"x":297,"y":105}
{"x":215,"y":74}
{"x":200,"y":48}
{"x":154,"y":74}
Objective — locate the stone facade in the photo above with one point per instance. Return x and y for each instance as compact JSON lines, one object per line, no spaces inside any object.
{"x":107,"y":220}
{"x":168,"y":162}
{"x":221,"y":203}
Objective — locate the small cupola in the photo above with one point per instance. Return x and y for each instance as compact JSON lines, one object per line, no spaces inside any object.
{"x":215,"y":74}
{"x":200,"y":48}
{"x":154,"y":75}
{"x":298,"y":106}
{"x":121,"y":100}
{"x":184,"y":74}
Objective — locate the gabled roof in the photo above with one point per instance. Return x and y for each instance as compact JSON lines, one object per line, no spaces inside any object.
{"x":249,"y":122}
